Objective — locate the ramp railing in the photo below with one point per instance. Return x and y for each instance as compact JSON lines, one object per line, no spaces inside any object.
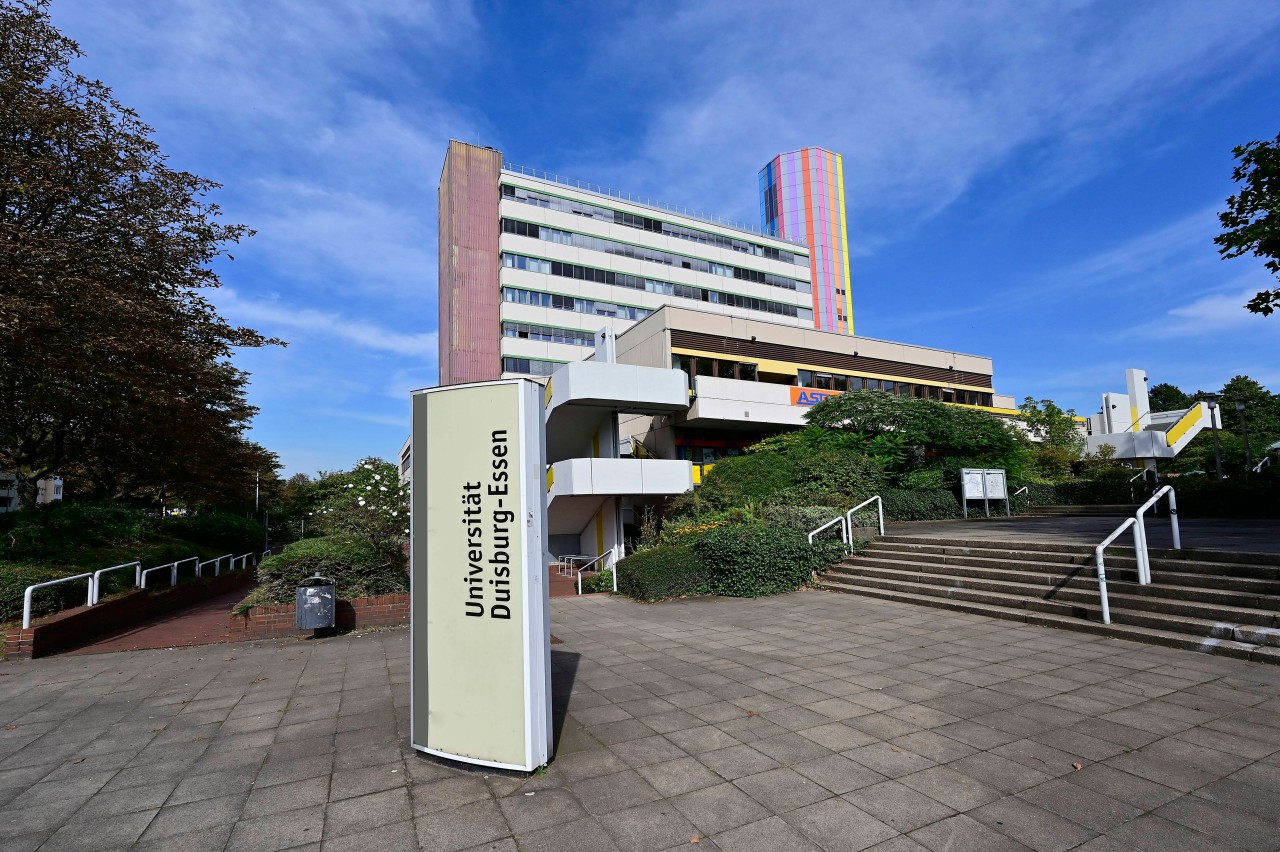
{"x":848,"y":517}
{"x":1140,"y":534}
{"x":1101,"y":567}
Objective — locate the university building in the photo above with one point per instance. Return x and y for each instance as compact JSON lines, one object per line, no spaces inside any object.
{"x":616,"y":295}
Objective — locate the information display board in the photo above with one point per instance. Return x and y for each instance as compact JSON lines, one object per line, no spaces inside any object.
{"x":480,"y":659}
{"x":985,"y":484}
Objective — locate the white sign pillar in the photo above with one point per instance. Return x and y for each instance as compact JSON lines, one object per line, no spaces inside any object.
{"x":480,"y":655}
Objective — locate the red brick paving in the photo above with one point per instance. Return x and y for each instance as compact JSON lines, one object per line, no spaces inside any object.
{"x":204,"y":623}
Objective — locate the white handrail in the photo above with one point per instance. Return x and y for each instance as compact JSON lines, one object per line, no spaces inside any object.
{"x":1138,"y":475}
{"x":605,"y":555}
{"x":1266,"y":462}
{"x":1020,"y":490}
{"x":1102,"y":571}
{"x":26,"y":596}
{"x":1144,"y":558}
{"x":848,"y":517}
{"x":96,"y":592}
{"x":170,"y":565}
{"x":844,"y":528}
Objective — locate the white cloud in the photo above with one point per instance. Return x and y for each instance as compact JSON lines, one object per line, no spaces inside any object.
{"x":923,"y":99}
{"x":1213,"y":314}
{"x":278,"y":318}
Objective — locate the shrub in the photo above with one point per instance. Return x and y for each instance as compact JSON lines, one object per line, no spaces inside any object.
{"x":738,"y":481}
{"x":219,"y":530}
{"x":849,"y":476}
{"x":355,"y":566}
{"x":900,"y":505}
{"x":662,"y":572}
{"x":750,"y":561}
{"x":599,"y":581}
{"x":928,"y":479}
{"x":801,"y":518}
{"x":14,"y":579}
{"x":51,"y":530}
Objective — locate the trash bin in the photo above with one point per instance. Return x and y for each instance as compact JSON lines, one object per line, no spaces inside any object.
{"x":316,"y":600}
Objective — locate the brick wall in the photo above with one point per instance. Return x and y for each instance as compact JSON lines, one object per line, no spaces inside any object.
{"x":269,"y":622}
{"x":73,"y":627}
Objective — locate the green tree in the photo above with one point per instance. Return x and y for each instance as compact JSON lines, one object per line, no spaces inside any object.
{"x":1251,"y":222}
{"x":1167,"y":397}
{"x":113,"y":365}
{"x":367,"y":502}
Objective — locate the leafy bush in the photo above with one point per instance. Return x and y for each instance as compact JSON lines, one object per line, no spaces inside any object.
{"x":801,"y":518}
{"x":750,"y":561}
{"x":598,"y":581}
{"x":368,"y":502}
{"x":14,"y":579}
{"x":926,"y":479}
{"x":355,"y":566}
{"x":662,"y":572}
{"x":54,"y":529}
{"x":1198,"y":497}
{"x":848,"y":476}
{"x":900,"y":505}
{"x":219,"y":530}
{"x":737,"y":481}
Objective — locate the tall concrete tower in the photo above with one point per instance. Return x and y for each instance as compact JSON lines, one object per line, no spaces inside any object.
{"x":802,"y":198}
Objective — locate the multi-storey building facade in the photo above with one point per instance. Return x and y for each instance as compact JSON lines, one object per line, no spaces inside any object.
{"x":532,"y":266}
{"x":802,"y":198}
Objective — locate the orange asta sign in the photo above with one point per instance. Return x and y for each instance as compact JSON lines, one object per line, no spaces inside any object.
{"x":810,"y":396}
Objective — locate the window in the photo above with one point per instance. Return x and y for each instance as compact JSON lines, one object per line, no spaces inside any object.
{"x":725,"y":369}
{"x":747,"y":372}
{"x":644,"y":223}
{"x":682,"y":362}
{"x":548,"y":334}
{"x":529,"y":366}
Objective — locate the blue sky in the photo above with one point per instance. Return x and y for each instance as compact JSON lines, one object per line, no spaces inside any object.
{"x":1033,"y":182}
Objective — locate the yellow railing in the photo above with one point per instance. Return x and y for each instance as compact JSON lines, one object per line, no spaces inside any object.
{"x":1191,"y":418}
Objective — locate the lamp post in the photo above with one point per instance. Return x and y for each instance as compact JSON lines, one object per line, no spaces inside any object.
{"x":1212,"y":401}
{"x":1244,"y":433}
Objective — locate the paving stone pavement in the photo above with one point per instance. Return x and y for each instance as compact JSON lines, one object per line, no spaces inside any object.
{"x":811,"y":721}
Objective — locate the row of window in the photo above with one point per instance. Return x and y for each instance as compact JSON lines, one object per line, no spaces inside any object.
{"x":548,"y":334}
{"x":528,"y":366}
{"x":571,"y":303}
{"x":720,"y":368}
{"x":644,"y":223}
{"x":665,"y":288}
{"x":838,"y":382}
{"x":679,"y":261}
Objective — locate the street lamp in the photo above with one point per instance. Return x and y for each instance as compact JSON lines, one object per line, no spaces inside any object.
{"x":1212,"y":401}
{"x":1244,"y":433}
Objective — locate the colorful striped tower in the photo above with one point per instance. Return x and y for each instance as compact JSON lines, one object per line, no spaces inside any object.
{"x":802,"y":198}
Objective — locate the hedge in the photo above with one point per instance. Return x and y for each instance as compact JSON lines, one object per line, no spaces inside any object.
{"x":662,"y":572}
{"x":900,"y":505}
{"x":355,"y":567}
{"x":751,"y":561}
{"x":219,"y":530}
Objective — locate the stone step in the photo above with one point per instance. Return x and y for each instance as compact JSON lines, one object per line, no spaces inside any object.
{"x":1169,"y":572}
{"x":1200,"y":616}
{"x":1169,"y":639}
{"x":1187,"y":625}
{"x":1261,"y":566}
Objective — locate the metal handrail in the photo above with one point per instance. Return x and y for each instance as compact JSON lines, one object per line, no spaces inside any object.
{"x":1026,"y":488}
{"x":96,"y":590}
{"x":848,"y":517}
{"x":172,"y":566}
{"x":1266,"y":462}
{"x":604,"y":555}
{"x":1144,"y":558}
{"x":844,"y":528}
{"x":1102,"y":571}
{"x":26,"y":596}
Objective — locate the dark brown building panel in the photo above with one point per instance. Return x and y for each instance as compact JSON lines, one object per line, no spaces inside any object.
{"x":682,"y":339}
{"x":469,"y":294}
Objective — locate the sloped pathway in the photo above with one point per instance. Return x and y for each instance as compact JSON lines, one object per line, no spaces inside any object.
{"x":204,"y":623}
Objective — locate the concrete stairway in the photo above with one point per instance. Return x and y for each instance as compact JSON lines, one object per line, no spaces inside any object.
{"x":1096,"y":511}
{"x":1210,"y":601}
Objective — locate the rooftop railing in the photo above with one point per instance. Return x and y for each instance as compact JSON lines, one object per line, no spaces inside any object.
{"x":597,"y":189}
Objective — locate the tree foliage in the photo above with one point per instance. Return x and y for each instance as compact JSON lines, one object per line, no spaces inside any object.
{"x":114,"y":367}
{"x":1251,"y":222}
{"x":1055,"y":440}
{"x":367,"y":503}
